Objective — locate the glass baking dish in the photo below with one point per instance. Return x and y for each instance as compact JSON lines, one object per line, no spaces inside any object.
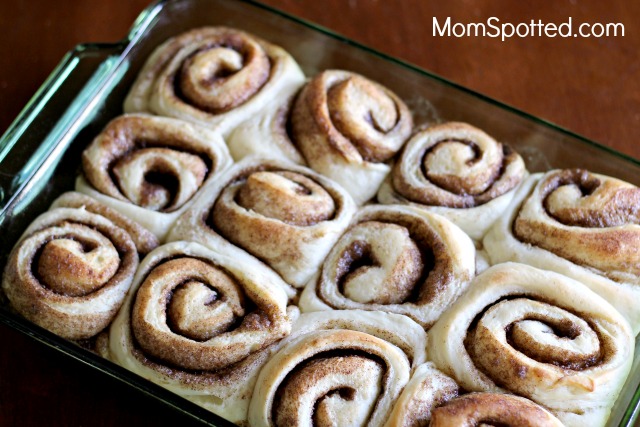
{"x":40,"y":152}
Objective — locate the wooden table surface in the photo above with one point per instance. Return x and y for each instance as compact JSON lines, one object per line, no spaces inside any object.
{"x":588,"y":85}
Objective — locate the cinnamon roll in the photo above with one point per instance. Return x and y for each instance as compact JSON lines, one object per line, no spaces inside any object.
{"x":70,"y":271}
{"x":539,"y":335}
{"x":458,"y":171}
{"x":432,"y":399}
{"x":492,"y":409}
{"x":343,"y":368}
{"x":348,"y":127}
{"x":150,"y":168}
{"x":395,"y":259}
{"x":286,"y":215}
{"x":201,"y":323}
{"x":215,"y":76}
{"x":581,"y":224}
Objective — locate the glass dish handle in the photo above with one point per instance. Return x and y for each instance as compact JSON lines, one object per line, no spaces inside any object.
{"x":46,"y":122}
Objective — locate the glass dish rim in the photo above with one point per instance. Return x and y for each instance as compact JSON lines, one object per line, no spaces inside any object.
{"x":121,"y":48}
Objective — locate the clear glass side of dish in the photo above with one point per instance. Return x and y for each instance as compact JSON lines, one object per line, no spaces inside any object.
{"x":40,"y":154}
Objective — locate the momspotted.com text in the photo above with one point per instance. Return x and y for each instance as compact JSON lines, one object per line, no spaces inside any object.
{"x":494,"y":28}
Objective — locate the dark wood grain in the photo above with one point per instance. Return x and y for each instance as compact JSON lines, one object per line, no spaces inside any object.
{"x":588,"y":85}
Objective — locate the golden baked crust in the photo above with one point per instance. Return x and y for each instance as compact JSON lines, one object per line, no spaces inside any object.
{"x":589,"y":219}
{"x":493,"y":408}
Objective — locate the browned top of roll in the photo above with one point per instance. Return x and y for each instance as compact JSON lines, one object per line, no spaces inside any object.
{"x":359,"y":119}
{"x":600,"y":203}
{"x":287,"y":196}
{"x":590,"y":219}
{"x":223,"y":69}
{"x":70,"y":272}
{"x":479,"y":409}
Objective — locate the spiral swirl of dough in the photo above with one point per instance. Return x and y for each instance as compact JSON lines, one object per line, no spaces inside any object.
{"x":200,"y":328}
{"x":590,"y":219}
{"x":216,"y":76}
{"x":458,"y":171}
{"x":395,"y":259}
{"x":537,"y":334}
{"x":201,"y":323}
{"x":286,"y":215}
{"x":150,"y":168}
{"x":145,"y":240}
{"x":286,"y":196}
{"x":581,"y":224}
{"x":70,"y":272}
{"x":339,"y":368}
{"x":347,"y":126}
